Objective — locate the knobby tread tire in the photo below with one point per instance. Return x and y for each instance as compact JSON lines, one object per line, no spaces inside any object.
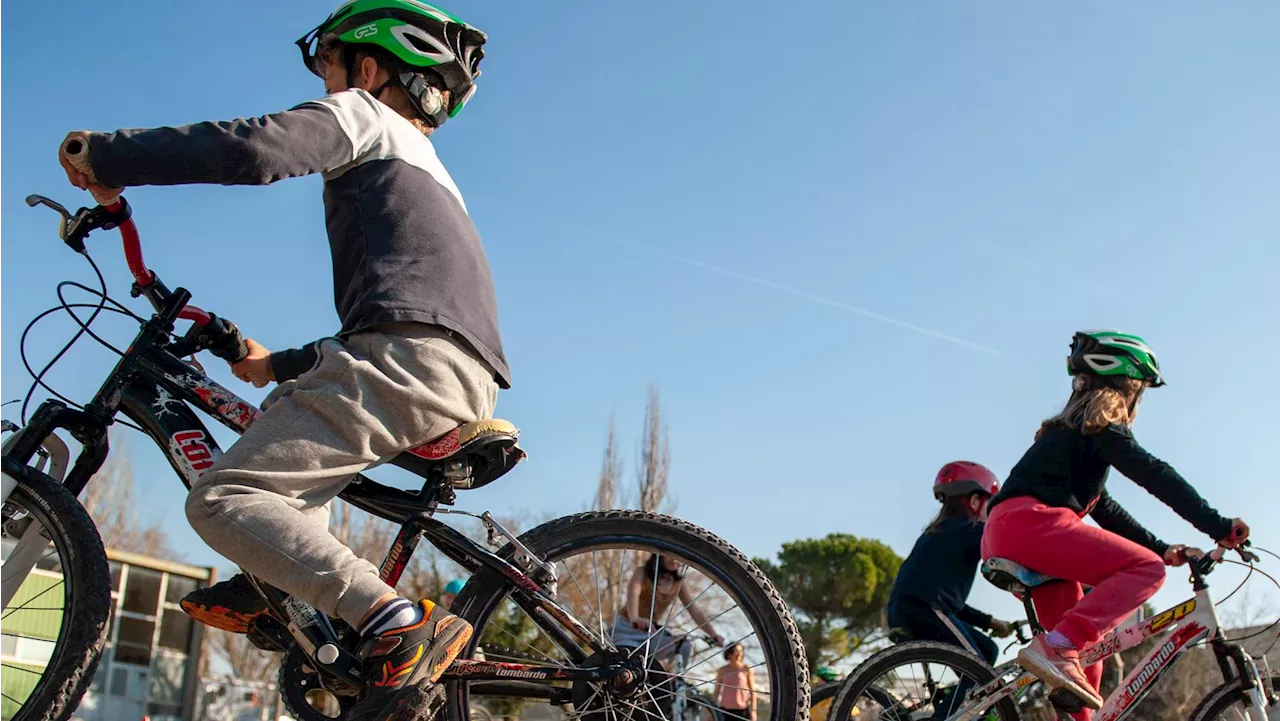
{"x":865,"y":675}
{"x":84,"y":620}
{"x":1222,"y":697}
{"x":486,"y":589}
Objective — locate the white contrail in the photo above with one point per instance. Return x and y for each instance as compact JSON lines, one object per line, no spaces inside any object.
{"x":807,"y":296}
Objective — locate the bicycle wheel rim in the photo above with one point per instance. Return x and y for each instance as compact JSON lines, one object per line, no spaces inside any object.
{"x":23,"y":697}
{"x":651,"y":533}
{"x":918,"y":695}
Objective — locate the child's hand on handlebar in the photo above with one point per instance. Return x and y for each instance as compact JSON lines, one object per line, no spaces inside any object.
{"x":256,"y":367}
{"x":1001,"y":629}
{"x":73,"y":155}
{"x":1238,"y":534}
{"x":1179,"y":554}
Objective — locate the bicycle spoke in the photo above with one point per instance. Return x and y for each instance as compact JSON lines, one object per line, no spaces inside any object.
{"x":5,"y":695}
{"x":547,"y":663}
{"x":645,"y":711}
{"x":653,"y":603}
{"x":595,"y":570}
{"x":587,"y":703}
{"x":538,"y":656}
{"x":691,"y":699}
{"x":574,"y":577}
{"x":709,"y":620}
{"x":21,"y":668}
{"x":10,"y":611}
{"x":654,"y":634}
{"x":698,"y":684}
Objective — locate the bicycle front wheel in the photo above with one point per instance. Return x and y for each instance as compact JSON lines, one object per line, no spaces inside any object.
{"x":55,"y":623}
{"x":1229,"y":702}
{"x":916,"y":680}
{"x":596,"y":556}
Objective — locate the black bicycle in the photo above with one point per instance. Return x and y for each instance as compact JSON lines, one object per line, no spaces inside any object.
{"x":545,"y":604}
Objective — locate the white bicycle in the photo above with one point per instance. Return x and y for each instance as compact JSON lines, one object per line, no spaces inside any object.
{"x":956,"y":685}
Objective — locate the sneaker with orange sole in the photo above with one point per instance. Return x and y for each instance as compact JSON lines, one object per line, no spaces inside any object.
{"x":230,"y":605}
{"x":399,"y":665}
{"x":1059,"y":669}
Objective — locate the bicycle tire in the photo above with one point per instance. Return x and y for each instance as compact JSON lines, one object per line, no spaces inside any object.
{"x":1222,"y":697}
{"x":487,"y":589}
{"x":863,"y":678}
{"x":824,"y":693}
{"x":87,"y":597}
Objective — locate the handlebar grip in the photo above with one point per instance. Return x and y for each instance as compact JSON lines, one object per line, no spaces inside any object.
{"x":226,"y":341}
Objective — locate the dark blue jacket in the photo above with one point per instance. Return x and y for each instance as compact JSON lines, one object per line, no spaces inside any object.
{"x":940,"y":570}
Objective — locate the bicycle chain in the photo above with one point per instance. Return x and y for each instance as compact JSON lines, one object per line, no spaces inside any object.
{"x":507,"y":652}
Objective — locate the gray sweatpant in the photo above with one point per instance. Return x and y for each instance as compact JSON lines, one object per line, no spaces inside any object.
{"x":264,"y":504}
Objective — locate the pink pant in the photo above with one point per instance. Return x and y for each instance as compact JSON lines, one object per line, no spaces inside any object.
{"x":1058,"y":543}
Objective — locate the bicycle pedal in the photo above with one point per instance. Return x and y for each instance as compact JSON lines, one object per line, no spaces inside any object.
{"x":268,"y":634}
{"x":1065,"y":701}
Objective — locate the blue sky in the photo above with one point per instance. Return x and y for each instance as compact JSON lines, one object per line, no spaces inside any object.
{"x":850,"y":241}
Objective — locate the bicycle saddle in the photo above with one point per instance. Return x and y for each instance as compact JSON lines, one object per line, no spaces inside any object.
{"x":472,"y":455}
{"x":1012,"y":577}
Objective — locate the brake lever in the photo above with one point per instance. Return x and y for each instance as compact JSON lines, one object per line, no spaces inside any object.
{"x":74,"y":228}
{"x":220,"y":337}
{"x":1246,"y":555}
{"x":1020,"y":632}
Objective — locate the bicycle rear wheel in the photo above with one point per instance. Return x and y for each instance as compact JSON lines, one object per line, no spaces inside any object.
{"x":595,"y":555}
{"x":820,"y":703}
{"x":56,"y":622}
{"x":917,"y":680}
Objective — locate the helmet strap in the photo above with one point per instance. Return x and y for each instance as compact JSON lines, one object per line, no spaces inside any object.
{"x":377,"y":93}
{"x":425,"y":98}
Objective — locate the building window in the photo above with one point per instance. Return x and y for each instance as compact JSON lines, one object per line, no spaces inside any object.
{"x":142,"y":591}
{"x":179,"y":586}
{"x":175,"y":630}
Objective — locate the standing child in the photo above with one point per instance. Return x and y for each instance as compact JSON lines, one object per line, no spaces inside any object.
{"x":736,"y":686}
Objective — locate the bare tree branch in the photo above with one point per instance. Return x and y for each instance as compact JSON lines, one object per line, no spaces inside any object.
{"x":610,"y":473}
{"x":109,"y":499}
{"x":655,"y":459}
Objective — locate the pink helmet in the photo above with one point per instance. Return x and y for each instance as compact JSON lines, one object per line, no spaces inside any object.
{"x":960,"y":478}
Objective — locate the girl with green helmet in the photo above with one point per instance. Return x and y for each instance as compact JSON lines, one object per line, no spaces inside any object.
{"x":1036,"y":520}
{"x":418,"y":353}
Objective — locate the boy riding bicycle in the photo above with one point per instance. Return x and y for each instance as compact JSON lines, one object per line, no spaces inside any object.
{"x":419,"y":351}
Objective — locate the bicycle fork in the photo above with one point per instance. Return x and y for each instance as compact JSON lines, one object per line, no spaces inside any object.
{"x":53,"y":458}
{"x":1258,"y":695}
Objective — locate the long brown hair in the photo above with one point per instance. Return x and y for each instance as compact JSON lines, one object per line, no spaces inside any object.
{"x":1097,"y":402}
{"x":957,"y":507}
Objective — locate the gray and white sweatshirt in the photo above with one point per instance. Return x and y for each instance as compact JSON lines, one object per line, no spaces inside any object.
{"x":404,"y":248}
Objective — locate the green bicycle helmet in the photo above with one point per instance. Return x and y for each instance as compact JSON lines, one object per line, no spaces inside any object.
{"x":437,"y":51}
{"x":1112,"y":353}
{"x":826,"y":673}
